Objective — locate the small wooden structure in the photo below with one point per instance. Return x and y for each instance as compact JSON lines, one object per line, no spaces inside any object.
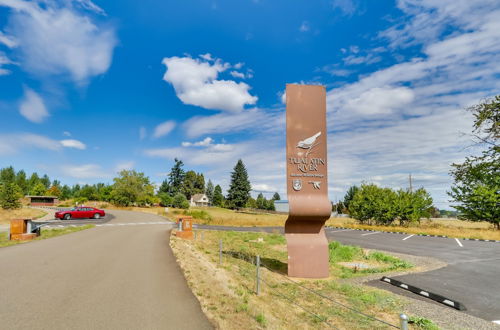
{"x":42,"y":200}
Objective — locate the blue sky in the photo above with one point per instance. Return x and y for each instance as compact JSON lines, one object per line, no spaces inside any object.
{"x":89,"y":88}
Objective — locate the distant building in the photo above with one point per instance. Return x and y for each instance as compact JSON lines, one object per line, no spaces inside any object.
{"x":199,"y":200}
{"x":42,"y":200}
{"x":281,"y":206}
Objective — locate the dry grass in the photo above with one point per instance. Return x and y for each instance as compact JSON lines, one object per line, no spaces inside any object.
{"x":226,"y":217}
{"x":22,"y":213}
{"x":226,"y":293}
{"x":439,"y":227}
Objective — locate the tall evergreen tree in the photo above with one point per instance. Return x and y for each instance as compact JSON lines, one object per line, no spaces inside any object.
{"x":176,"y":177}
{"x":38,"y":190}
{"x":46,"y":181}
{"x":209,"y":191}
{"x":189,"y":184}
{"x":200,"y":183}
{"x":33,"y":181}
{"x":164,"y":187}
{"x":349,"y":196}
{"x":7,"y":175}
{"x":239,"y":189}
{"x":22,"y":182}
{"x":218,"y":199}
{"x":276,"y":197}
{"x":65,"y":192}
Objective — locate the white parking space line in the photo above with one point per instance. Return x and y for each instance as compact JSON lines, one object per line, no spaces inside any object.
{"x":496,"y":322}
{"x":456,"y":239}
{"x":404,"y":239}
{"x":377,"y":232}
{"x":336,"y":231}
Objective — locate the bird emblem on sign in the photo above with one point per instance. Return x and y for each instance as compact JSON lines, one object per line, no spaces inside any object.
{"x":316,"y":184}
{"x":297,"y":184}
{"x":309,"y":143}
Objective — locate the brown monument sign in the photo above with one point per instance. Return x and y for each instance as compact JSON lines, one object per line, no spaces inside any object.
{"x":307,"y":184}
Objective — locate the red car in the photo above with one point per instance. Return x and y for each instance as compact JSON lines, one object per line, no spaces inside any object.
{"x":80,"y":212}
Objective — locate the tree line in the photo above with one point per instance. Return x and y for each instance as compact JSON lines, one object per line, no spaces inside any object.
{"x":131,"y":187}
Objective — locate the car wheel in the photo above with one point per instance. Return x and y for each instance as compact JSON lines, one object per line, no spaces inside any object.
{"x":97,"y":216}
{"x":67,"y":216}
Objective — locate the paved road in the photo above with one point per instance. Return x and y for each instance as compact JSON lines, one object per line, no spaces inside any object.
{"x":109,"y":277}
{"x":472,"y":276}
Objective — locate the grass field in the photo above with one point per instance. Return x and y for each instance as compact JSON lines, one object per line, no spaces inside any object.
{"x":226,"y":217}
{"x":45,"y":233}
{"x":452,"y":228}
{"x":227,"y":292}
{"x":22,"y":213}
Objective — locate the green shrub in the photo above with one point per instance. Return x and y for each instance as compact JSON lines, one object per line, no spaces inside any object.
{"x":199,"y":214}
{"x":180,"y":201}
{"x":423,"y":323}
{"x":339,"y":252}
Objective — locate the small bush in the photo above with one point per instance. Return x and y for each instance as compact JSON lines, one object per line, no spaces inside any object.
{"x":261,"y":319}
{"x":199,"y":214}
{"x":180,"y":201}
{"x":423,"y":323}
{"x":339,"y":252}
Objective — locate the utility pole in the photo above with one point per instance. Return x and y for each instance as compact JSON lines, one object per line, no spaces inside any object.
{"x":411,"y":187}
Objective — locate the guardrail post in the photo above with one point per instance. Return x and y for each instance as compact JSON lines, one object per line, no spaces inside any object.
{"x":8,"y":233}
{"x":220,"y":252}
{"x":257,"y":263}
{"x":403,"y":319}
{"x":179,"y":228}
{"x":194,"y":232}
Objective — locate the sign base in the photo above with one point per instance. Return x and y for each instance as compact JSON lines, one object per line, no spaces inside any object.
{"x":307,"y":249}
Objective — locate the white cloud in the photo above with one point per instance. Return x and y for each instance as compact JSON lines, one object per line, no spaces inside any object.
{"x":7,"y":40}
{"x":380,"y":100}
{"x":163,"y":129}
{"x":66,"y":133}
{"x":265,"y":188}
{"x":304,"y":27}
{"x":32,"y":107}
{"x":86,"y":171}
{"x":203,"y":143}
{"x":54,"y":40}
{"x":347,"y":7}
{"x":73,"y":144}
{"x":237,"y":74}
{"x":13,"y":143}
{"x":89,"y":5}
{"x":195,"y":83}
{"x":225,"y":123}
{"x":4,"y":60}
{"x":127,"y":165}
{"x":367,"y":59}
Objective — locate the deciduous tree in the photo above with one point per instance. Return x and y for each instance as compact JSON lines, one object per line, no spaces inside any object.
{"x":477,"y":180}
{"x":10,"y":194}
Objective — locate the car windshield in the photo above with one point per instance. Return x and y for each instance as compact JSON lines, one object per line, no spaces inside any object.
{"x":74,"y":208}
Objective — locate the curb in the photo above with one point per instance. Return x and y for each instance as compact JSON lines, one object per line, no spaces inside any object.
{"x":436,"y":297}
{"x":423,"y":235}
